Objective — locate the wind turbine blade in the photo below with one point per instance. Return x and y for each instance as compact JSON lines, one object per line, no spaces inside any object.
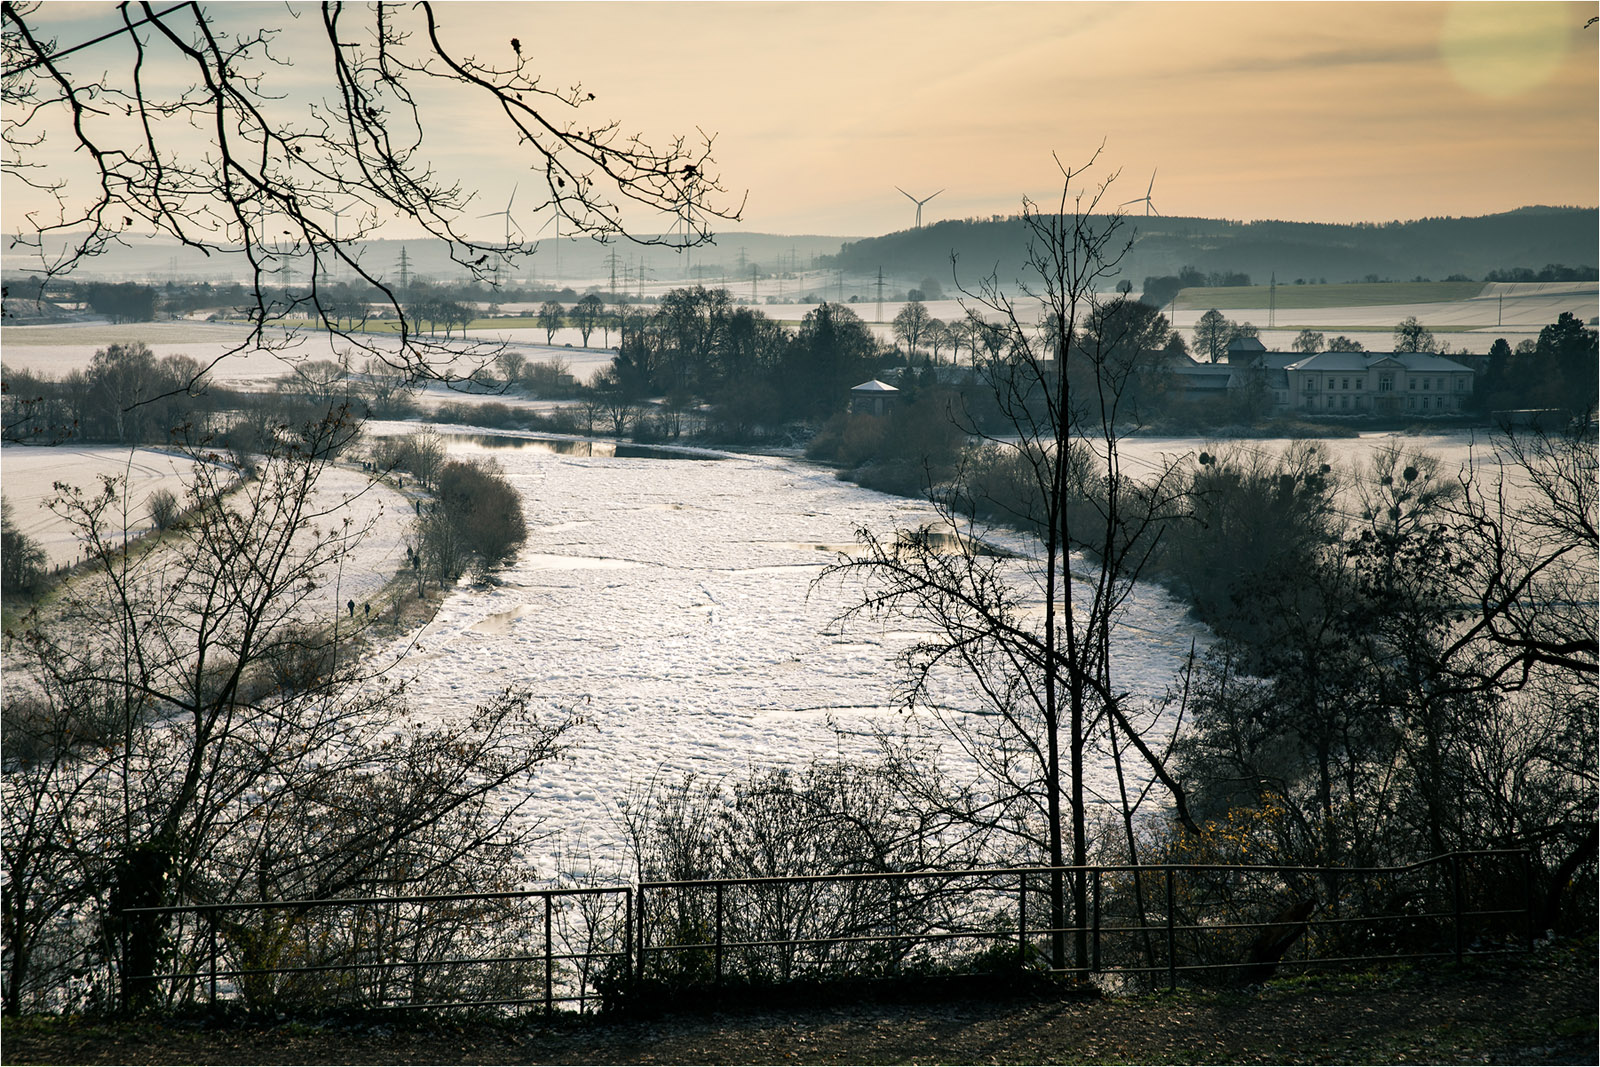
{"x":931,"y":197}
{"x":1135,"y":200}
{"x":907,"y":195}
{"x":1152,"y":188}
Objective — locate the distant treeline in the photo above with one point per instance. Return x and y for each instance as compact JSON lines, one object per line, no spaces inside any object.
{"x":1504,"y":245}
{"x":135,"y":302}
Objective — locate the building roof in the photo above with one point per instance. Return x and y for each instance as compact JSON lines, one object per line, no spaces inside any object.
{"x":1197,"y":376}
{"x":1202,"y":370}
{"x":874,"y":386}
{"x":1246,"y":344}
{"x":1360,"y":361}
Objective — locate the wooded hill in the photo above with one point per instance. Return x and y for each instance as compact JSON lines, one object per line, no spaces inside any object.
{"x":1436,"y":248}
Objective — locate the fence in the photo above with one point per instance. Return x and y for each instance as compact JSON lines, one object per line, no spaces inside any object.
{"x":1138,"y":926}
{"x":539,"y":948}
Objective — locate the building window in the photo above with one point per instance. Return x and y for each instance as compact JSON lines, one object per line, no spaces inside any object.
{"x":1330,"y":383}
{"x":1461,"y":384}
{"x":1427,"y":383}
{"x":1411,"y":402}
{"x":1411,"y":383}
{"x":1311,"y":385}
{"x":1346,"y":384}
{"x":1360,"y":383}
{"x":1424,"y":403}
{"x":1385,"y":385}
{"x":1344,"y":401}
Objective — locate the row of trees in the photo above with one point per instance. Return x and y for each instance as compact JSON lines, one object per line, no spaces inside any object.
{"x":1559,"y":370}
{"x":751,"y":369}
{"x":128,"y":396}
{"x":1160,"y":289}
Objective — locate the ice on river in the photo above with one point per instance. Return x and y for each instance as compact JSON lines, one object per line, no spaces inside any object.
{"x":673,"y":604}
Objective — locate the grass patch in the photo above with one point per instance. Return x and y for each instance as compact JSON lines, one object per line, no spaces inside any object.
{"x":1353,"y":294}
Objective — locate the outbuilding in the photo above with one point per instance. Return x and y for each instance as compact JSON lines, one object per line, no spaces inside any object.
{"x":873,"y":398}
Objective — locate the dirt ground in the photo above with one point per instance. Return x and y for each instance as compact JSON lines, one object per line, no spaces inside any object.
{"x":1537,"y":1009}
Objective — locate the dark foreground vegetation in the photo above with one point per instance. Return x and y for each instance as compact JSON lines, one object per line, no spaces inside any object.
{"x":1534,"y":1009}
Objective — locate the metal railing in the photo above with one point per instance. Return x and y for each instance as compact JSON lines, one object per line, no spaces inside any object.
{"x":542,"y":949}
{"x":531,"y":948}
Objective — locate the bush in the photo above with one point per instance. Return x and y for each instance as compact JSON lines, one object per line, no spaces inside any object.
{"x":549,"y":380}
{"x":421,"y":453}
{"x":901,"y":452}
{"x":22,"y":561}
{"x":477,"y":521}
{"x":163,"y":508}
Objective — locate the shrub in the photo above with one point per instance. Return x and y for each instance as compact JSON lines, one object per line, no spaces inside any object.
{"x":163,"y":508}
{"x":22,"y":561}
{"x":477,"y":520}
{"x":421,"y":453}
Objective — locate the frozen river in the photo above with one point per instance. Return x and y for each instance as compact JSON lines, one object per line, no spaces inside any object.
{"x":672,"y":603}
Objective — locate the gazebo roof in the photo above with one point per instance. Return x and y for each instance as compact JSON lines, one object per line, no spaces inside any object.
{"x":874,"y":386}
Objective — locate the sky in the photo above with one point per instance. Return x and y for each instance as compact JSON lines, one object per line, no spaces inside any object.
{"x":1332,"y":112}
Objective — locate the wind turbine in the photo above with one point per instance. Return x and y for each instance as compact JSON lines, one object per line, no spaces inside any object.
{"x":919,"y":203}
{"x":506,"y":213}
{"x":1149,"y":208}
{"x":501,"y":261}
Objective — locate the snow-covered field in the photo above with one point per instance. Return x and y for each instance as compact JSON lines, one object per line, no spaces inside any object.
{"x":28,"y":475}
{"x":1513,"y":310}
{"x":57,"y":350}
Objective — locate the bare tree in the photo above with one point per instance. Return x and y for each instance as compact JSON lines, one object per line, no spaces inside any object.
{"x":1533,"y":559}
{"x":1031,"y":640}
{"x":586,"y":315}
{"x":551,"y":318}
{"x":190,"y":723}
{"x":289,"y":185}
{"x":911,"y":325}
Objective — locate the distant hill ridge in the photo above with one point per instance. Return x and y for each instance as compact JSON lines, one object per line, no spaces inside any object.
{"x":1431,"y":248}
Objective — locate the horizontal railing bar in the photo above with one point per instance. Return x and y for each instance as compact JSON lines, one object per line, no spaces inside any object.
{"x":997,"y":872}
{"x":316,"y":968}
{"x":329,"y":902}
{"x":852,"y":939}
{"x":951,"y":875}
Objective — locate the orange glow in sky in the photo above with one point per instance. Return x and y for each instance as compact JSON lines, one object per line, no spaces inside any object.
{"x":1308,"y":111}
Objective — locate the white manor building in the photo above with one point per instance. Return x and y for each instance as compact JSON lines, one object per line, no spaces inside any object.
{"x":1377,"y":383}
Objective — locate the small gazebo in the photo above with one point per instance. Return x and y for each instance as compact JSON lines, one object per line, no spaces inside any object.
{"x":873,"y":398}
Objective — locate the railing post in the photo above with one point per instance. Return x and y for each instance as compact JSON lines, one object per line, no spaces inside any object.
{"x":1172,"y":943}
{"x":718,"y":978}
{"x":640,"y":960}
{"x":549,"y":959}
{"x":1527,"y":895}
{"x":1022,"y":918}
{"x":211,"y":935}
{"x":627,"y":930}
{"x":1455,"y":893}
{"x":1094,"y":965}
